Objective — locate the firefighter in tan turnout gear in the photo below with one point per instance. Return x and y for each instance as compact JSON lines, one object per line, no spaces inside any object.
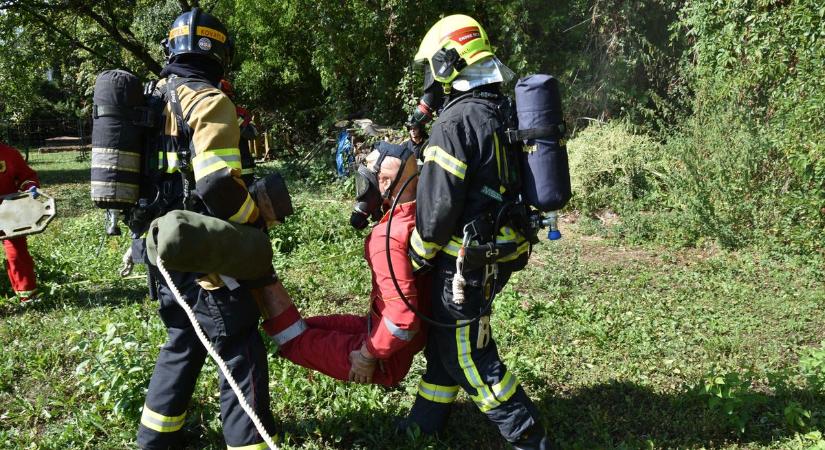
{"x":201,"y":166}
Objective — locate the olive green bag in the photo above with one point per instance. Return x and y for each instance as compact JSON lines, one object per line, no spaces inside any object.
{"x":190,"y":242}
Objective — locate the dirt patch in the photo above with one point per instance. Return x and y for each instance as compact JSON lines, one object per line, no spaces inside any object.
{"x":597,"y":249}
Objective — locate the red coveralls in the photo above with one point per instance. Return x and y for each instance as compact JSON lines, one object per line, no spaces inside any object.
{"x":391,"y":330}
{"x":15,"y":176}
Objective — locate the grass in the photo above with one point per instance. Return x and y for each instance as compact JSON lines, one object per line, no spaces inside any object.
{"x":620,"y":346}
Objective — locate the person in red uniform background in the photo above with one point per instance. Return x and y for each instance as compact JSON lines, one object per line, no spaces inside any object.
{"x":377,"y":348}
{"x":17,"y":176}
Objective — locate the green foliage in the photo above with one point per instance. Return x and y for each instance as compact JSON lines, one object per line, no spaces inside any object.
{"x":797,"y":417}
{"x":746,"y":168}
{"x":613,"y":168}
{"x":756,"y":139}
{"x":812,"y":364}
{"x":599,"y":335}
{"x":728,"y":395}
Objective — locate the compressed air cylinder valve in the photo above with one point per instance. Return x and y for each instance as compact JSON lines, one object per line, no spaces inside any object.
{"x":552,"y":223}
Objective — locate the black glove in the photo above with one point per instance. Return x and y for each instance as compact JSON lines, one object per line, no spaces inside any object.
{"x":423,"y":266}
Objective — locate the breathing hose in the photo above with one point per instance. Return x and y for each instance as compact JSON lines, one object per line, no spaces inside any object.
{"x":430,"y":321}
{"x":218,"y":360}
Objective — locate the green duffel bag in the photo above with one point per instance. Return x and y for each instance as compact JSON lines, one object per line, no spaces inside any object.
{"x":190,"y":242}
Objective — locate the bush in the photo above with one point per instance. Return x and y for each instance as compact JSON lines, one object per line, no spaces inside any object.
{"x":611,"y":168}
{"x":756,"y":136}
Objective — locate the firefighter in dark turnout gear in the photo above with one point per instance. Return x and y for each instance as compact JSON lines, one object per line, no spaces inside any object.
{"x":461,"y":187}
{"x":201,"y":167}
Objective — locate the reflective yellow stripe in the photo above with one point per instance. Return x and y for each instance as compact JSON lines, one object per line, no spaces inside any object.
{"x":499,"y":159}
{"x":453,"y":246}
{"x":498,"y":154}
{"x":171,"y":159}
{"x":502,"y":391}
{"x":509,"y":235}
{"x":211,"y":33}
{"x":210,"y":161}
{"x":505,"y":388}
{"x":259,"y":446}
{"x":178,"y":31}
{"x":248,"y":171}
{"x":160,"y":423}
{"x":437,"y":393}
{"x":415,"y":264}
{"x":447,"y":161}
{"x":506,"y":235}
{"x":245,"y":212}
{"x":484,"y":397}
{"x":423,"y":248}
{"x":523,"y":248}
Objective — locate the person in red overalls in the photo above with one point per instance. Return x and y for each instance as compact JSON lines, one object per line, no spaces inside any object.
{"x":17,"y":176}
{"x":377,"y":348}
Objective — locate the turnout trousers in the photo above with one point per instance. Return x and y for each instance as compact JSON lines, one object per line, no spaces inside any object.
{"x":20,"y":266}
{"x":230,"y":321}
{"x":467,"y":358}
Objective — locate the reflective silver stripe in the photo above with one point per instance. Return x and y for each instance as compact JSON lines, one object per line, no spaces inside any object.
{"x":114,"y":159}
{"x":245,"y":212}
{"x":161,"y":423}
{"x":404,"y":335}
{"x":421,"y":247}
{"x":436,"y":393}
{"x":110,"y":190}
{"x":505,"y":389}
{"x":453,"y":246}
{"x":202,"y":164}
{"x":291,"y":332}
{"x":172,"y":159}
{"x":447,"y":161}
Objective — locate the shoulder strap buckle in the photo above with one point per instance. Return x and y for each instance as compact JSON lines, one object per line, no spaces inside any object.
{"x":517,"y":136}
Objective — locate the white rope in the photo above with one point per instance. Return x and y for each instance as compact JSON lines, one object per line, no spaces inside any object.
{"x":218,"y":360}
{"x":458,"y":279}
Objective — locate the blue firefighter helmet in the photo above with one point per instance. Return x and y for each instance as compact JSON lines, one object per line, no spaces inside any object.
{"x":199,"y":33}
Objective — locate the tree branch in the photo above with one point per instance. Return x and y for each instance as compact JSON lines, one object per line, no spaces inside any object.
{"x":125,"y":40}
{"x":71,"y":40}
{"x":132,"y":46}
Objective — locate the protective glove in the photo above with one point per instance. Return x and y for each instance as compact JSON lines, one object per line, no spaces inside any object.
{"x":419,"y":264}
{"x":33,"y":191}
{"x":362,"y":365}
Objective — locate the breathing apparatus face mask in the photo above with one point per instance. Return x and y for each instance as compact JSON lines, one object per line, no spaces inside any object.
{"x":431,"y":101}
{"x":433,"y":91}
{"x":272,"y":197}
{"x":369,"y":200}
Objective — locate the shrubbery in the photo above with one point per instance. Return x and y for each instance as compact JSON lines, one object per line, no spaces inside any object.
{"x":747,"y":165}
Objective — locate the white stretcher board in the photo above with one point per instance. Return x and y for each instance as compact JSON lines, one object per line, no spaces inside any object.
{"x":22,"y":215}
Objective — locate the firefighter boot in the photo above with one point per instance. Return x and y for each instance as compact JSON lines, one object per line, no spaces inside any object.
{"x":533,"y":439}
